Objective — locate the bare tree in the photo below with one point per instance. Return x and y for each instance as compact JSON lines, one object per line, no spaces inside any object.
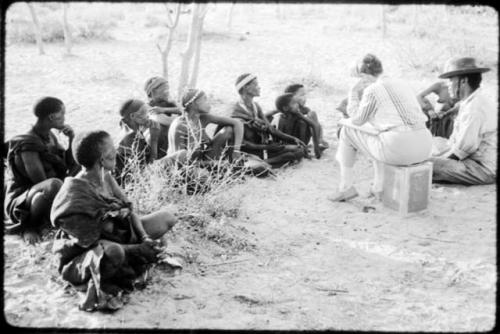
{"x":230,"y":16}
{"x":37,"y":28}
{"x":279,"y":11}
{"x":415,"y":20}
{"x":384,"y":21}
{"x":172,"y":22}
{"x":68,"y":41}
{"x":199,"y":36}
{"x":193,"y":45}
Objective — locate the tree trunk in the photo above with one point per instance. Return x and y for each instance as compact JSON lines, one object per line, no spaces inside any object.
{"x":384,"y":21}
{"x":196,"y":63}
{"x":230,"y":16}
{"x":38,"y":30}
{"x":171,"y":26}
{"x":67,"y":32}
{"x":196,"y":20}
{"x":415,"y":19}
{"x":279,"y":13}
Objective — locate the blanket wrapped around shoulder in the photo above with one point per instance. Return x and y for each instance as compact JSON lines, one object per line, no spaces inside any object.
{"x":249,"y":121}
{"x":81,"y":213}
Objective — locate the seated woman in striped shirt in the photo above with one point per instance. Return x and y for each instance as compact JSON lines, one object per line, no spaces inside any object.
{"x":389,"y":127}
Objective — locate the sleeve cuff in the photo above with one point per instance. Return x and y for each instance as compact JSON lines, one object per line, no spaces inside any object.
{"x":459,"y":153}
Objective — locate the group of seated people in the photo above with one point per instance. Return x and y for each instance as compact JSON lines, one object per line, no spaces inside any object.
{"x":103,"y":245}
{"x":101,"y":242}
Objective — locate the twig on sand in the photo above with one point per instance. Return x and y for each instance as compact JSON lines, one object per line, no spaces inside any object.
{"x":331,"y":290}
{"x":435,"y":239}
{"x":223,"y":263}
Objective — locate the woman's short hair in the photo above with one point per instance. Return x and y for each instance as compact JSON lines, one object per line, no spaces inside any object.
{"x":46,"y":106}
{"x":293,"y":88}
{"x":88,"y":147}
{"x":370,"y":64}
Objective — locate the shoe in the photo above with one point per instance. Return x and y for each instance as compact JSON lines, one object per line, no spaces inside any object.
{"x":345,"y":195}
{"x":376,"y":194}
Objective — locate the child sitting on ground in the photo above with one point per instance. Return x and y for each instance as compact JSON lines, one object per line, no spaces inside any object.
{"x":294,"y":123}
{"x":299,"y":94}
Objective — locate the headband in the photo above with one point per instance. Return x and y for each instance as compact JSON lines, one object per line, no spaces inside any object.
{"x":196,"y":95}
{"x":245,"y":81}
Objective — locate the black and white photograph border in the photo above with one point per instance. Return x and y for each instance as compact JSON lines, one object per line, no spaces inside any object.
{"x":296,"y":249}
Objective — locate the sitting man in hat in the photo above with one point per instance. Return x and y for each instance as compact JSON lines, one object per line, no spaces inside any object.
{"x":259,"y":135}
{"x":468,"y":157}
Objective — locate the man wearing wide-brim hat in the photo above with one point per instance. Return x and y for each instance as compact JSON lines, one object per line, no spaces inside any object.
{"x":469,"y":156}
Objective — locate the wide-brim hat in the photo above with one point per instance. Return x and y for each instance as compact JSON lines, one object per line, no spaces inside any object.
{"x":459,"y":66}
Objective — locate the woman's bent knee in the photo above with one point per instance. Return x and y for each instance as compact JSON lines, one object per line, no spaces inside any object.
{"x":114,"y":253}
{"x":52,"y":187}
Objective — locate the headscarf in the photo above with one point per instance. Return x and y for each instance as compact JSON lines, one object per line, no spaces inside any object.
{"x":153,"y":83}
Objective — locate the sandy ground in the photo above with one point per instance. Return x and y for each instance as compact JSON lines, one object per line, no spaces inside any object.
{"x":313,"y":264}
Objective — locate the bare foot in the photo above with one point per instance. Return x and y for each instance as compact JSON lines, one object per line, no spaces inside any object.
{"x":31,"y":236}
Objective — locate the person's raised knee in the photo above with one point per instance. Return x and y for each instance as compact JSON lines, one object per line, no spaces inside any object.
{"x":115,"y":254}
{"x":52,"y":187}
{"x":228,"y":133}
{"x":169,"y":219}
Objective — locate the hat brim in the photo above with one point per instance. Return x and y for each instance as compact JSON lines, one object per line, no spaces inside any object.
{"x":450,"y":74}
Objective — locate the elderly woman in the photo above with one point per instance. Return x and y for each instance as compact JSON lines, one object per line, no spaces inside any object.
{"x":38,"y":164}
{"x":102,"y":243}
{"x":389,"y":127}
{"x":188,"y":131}
{"x":135,"y":149}
{"x":162,"y":109}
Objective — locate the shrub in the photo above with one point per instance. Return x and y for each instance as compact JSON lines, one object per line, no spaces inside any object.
{"x":203,"y":199}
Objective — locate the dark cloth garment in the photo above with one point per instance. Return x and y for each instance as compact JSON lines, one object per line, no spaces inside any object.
{"x":81,"y":214}
{"x":56,"y":164}
{"x":163,"y":137}
{"x":441,"y":127}
{"x":294,"y":126}
{"x":253,"y":132}
{"x":133,"y":152}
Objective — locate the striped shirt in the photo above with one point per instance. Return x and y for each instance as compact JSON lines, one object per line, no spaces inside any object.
{"x":389,"y":103}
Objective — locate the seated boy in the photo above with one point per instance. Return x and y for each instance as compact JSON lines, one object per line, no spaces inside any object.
{"x":295,"y":123}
